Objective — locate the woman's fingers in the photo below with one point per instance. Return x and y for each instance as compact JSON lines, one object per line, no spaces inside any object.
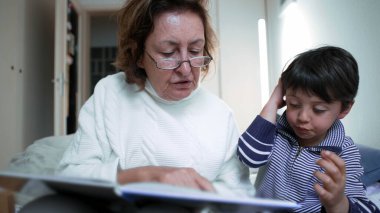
{"x":187,"y":177}
{"x":205,"y":185}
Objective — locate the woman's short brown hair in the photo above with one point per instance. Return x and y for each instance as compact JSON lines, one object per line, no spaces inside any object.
{"x":136,"y":22}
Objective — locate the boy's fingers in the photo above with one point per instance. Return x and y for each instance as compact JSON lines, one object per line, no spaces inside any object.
{"x":326,"y":181}
{"x":336,"y":160}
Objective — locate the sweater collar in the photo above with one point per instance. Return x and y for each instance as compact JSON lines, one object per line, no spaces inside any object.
{"x":333,"y":141}
{"x":152,"y":92}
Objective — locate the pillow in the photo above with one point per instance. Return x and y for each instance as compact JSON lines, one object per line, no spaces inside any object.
{"x":41,"y":157}
{"x":371,"y":164}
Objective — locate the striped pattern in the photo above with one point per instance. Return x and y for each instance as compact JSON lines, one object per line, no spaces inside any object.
{"x":286,"y":169}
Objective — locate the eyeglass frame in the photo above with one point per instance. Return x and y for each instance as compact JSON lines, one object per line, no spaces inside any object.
{"x":179,"y":62}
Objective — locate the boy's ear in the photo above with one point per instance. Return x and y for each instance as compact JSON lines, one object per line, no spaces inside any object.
{"x":346,"y":111}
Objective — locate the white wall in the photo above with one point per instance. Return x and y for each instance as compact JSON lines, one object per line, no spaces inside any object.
{"x":237,"y":62}
{"x":10,"y":81}
{"x":103,"y":30}
{"x":38,"y":55}
{"x":351,"y":24}
{"x":26,"y":70}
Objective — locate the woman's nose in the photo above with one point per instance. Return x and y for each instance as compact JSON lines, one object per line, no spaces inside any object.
{"x":184,"y":68}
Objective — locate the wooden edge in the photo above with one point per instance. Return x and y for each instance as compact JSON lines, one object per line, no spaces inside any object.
{"x":12,"y":184}
{"x":7,"y":201}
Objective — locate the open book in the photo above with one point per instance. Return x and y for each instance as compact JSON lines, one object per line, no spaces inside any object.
{"x":155,"y":192}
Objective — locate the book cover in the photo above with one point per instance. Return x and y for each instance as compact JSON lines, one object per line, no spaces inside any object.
{"x":148,"y":192}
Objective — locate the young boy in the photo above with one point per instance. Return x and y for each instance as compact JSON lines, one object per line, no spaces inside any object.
{"x":305,"y":155}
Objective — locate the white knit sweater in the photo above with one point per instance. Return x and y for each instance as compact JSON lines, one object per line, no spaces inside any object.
{"x":121,"y":127}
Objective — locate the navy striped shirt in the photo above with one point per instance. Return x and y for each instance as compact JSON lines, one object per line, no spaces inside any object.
{"x":286,"y":169}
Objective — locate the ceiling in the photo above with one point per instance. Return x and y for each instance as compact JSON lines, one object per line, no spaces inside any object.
{"x":100,"y":5}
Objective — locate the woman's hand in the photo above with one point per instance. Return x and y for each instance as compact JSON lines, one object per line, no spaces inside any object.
{"x":331,"y":191}
{"x":186,"y":177}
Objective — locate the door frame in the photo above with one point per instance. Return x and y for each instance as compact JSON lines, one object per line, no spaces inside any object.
{"x":60,"y":90}
{"x":84,"y":12}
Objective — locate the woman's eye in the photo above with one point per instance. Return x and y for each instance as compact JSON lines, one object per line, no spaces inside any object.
{"x":195,"y":52}
{"x":167,"y":54}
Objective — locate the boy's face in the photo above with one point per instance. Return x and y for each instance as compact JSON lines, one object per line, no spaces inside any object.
{"x":311,"y":117}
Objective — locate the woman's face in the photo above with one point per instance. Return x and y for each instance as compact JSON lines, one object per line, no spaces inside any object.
{"x":178,"y":35}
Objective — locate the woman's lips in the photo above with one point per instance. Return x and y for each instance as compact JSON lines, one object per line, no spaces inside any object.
{"x":183,"y":84}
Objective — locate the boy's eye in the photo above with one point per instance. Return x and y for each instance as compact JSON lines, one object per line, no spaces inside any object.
{"x":319,"y":111}
{"x":294,"y":105}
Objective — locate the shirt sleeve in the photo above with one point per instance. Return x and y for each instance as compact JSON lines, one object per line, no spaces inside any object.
{"x":359,"y":206}
{"x":355,"y":189}
{"x":255,"y":144}
{"x":90,"y":154}
{"x":233,"y":178}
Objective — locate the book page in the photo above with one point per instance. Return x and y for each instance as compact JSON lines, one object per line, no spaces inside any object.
{"x":74,"y":185}
{"x":193,"y":197}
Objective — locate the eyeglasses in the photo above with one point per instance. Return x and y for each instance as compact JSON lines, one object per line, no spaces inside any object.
{"x":172,"y":63}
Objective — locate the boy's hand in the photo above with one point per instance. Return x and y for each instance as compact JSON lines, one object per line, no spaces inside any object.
{"x":275,"y":102}
{"x":333,"y":181}
{"x":277,"y":96}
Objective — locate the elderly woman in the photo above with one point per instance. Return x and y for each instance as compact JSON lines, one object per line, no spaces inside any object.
{"x":154,"y":121}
